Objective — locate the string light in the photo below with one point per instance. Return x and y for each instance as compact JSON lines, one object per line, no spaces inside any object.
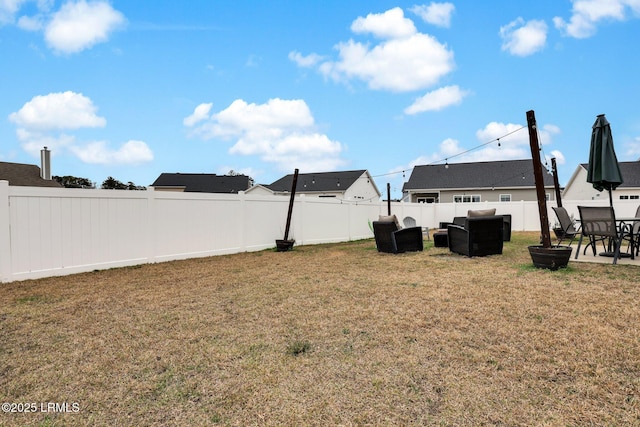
{"x":446,"y":160}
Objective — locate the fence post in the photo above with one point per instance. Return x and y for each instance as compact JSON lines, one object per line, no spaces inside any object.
{"x":151,"y":226}
{"x":5,"y":233}
{"x":242,"y":241}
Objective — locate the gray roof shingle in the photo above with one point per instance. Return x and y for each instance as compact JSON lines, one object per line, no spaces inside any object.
{"x":499,"y":174}
{"x":630,"y":173}
{"x":204,"y":182}
{"x":23,"y":175}
{"x":318,"y":182}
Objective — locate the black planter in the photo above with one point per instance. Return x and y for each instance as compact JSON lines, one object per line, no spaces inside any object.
{"x":551,"y":258}
{"x":284,"y":245}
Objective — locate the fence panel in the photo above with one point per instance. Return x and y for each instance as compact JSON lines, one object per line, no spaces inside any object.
{"x":52,"y":231}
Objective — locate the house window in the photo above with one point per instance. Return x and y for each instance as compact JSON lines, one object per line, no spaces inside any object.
{"x":505,"y":197}
{"x":631,"y":197}
{"x":466,"y":199}
{"x":426,"y":199}
{"x":624,"y":197}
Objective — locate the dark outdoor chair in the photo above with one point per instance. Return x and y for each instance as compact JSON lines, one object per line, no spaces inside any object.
{"x":506,"y":229}
{"x":479,"y":236}
{"x":393,"y":240}
{"x":506,"y":225}
{"x":634,"y":235}
{"x":598,"y":224}
{"x":566,"y":225}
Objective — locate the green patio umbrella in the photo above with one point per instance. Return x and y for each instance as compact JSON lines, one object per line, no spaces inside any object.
{"x":603,"y":170}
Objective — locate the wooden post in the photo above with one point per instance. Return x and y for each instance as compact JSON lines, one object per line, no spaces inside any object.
{"x":293,"y":195}
{"x":388,"y":199}
{"x":537,"y":173}
{"x":556,"y":184}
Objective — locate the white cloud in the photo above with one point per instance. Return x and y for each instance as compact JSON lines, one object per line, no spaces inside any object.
{"x":33,"y":141}
{"x":305,"y":61}
{"x":31,"y":23}
{"x":586,"y":14}
{"x":130,"y":153}
{"x":80,"y":25}
{"x":560,"y":159}
{"x":437,"y":100}
{"x":523,"y":39}
{"x":406,"y":60}
{"x":8,"y":10}
{"x":496,"y":141}
{"x":280,"y":132}
{"x":62,"y":110}
{"x":41,"y":122}
{"x":438,"y":14}
{"x":388,"y":25}
{"x":200,"y":113}
{"x":397,"y":65}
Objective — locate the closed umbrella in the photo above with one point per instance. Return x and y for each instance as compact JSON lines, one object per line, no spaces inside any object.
{"x":603,"y":170}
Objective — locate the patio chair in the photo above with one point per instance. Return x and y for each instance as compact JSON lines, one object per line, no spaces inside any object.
{"x":506,"y":225}
{"x":598,"y":224}
{"x":391,"y":239}
{"x":479,"y":236}
{"x":634,"y":235}
{"x":566,"y":224}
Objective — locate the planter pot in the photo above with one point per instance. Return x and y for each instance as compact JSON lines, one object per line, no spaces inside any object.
{"x":551,"y":258}
{"x":284,"y":245}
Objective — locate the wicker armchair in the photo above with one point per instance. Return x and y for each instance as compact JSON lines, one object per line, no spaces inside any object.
{"x":506,"y":225}
{"x":479,"y":236}
{"x":393,"y":240}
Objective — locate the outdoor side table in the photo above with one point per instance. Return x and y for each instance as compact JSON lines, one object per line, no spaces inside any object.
{"x":441,"y":239}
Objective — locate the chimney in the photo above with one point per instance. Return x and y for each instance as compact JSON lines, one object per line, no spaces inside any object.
{"x":45,"y":162}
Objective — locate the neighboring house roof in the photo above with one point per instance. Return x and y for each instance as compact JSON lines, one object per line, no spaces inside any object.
{"x":19,"y":174}
{"x":499,"y":174}
{"x":323,"y":182}
{"x":203,"y":182}
{"x":630,"y":173}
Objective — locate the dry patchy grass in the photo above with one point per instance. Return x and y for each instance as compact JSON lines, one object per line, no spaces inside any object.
{"x":327,"y":335}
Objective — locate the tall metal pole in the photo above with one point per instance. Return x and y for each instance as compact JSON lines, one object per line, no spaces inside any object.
{"x":556,"y":184}
{"x":537,"y":173}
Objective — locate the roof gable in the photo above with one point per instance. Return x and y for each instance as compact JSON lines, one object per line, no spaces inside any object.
{"x":23,"y":175}
{"x":499,"y":174}
{"x":204,"y":182}
{"x":318,"y":182}
{"x":630,"y":173}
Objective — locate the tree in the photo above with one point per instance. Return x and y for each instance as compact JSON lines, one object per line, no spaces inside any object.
{"x":234,"y":173}
{"x":68,"y":181}
{"x":113,"y":184}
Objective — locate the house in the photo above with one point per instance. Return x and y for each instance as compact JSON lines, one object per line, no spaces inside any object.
{"x":343,"y":185}
{"x":504,"y":181}
{"x":579,"y":189}
{"x":24,"y":175}
{"x":202,"y":183}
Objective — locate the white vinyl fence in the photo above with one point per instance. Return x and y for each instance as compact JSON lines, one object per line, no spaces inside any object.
{"x":56,"y":231}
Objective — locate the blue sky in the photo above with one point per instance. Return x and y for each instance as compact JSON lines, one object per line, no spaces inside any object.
{"x":131,"y":89}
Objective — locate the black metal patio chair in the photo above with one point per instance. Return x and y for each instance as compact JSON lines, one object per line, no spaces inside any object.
{"x":598,"y":224}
